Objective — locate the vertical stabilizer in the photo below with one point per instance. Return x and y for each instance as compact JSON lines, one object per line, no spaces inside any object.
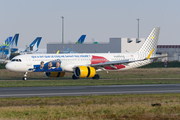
{"x":151,"y":42}
{"x":7,"y":42}
{"x":81,"y":39}
{"x":35,"y":43}
{"x":14,"y":40}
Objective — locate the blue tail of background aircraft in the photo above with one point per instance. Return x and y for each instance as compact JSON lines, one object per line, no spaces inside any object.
{"x":7,"y":46}
{"x":81,"y":39}
{"x":30,"y":47}
{"x":14,"y":40}
{"x":7,"y":42}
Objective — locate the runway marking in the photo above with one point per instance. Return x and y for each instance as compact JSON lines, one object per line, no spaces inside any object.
{"x":87,"y":93}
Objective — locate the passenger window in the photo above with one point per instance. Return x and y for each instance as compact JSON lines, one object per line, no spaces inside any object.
{"x":19,"y":60}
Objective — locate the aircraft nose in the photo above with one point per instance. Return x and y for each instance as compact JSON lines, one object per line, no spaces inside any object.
{"x":7,"y":66}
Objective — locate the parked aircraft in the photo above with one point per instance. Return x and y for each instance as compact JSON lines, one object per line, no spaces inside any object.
{"x":7,"y":46}
{"x":86,"y":65}
{"x":81,"y":39}
{"x":69,"y":50}
{"x":36,"y":43}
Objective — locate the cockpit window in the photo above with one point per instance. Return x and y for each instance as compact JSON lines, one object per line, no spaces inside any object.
{"x":17,"y":60}
{"x":13,"y":60}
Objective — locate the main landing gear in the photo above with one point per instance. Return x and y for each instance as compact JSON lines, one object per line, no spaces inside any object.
{"x":25,"y":76}
{"x":96,"y":77}
{"x":74,"y":77}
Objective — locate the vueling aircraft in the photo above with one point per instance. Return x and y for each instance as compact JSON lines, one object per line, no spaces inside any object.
{"x":86,"y":65}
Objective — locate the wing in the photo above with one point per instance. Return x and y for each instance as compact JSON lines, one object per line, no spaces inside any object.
{"x":112,"y":63}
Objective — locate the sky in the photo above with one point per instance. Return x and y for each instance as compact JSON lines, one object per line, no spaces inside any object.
{"x":98,"y":19}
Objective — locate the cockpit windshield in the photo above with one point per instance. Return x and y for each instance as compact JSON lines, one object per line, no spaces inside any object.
{"x":17,"y":60}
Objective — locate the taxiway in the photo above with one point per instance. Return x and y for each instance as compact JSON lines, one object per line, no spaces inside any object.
{"x":88,"y":90}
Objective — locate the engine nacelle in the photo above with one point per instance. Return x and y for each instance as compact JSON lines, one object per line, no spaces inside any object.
{"x":55,"y":74}
{"x":84,"y":71}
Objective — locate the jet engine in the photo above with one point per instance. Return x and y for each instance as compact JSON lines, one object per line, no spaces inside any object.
{"x":84,"y":71}
{"x":55,"y":74}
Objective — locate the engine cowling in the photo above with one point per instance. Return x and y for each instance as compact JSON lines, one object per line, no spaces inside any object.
{"x":84,"y":71}
{"x":55,"y":74}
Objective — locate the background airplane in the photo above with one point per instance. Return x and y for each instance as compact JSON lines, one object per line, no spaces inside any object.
{"x":81,"y":39}
{"x":6,"y":43}
{"x":30,"y":48}
{"x":86,"y":65}
{"x":7,"y":46}
{"x":69,"y":50}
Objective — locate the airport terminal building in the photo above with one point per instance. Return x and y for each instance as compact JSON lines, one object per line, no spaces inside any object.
{"x":115,"y":45}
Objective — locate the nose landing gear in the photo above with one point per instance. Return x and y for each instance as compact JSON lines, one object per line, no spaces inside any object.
{"x":25,"y":76}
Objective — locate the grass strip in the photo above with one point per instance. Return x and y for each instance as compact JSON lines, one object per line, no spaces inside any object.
{"x":83,"y":82}
{"x":130,"y":77}
{"x":93,"y":107}
{"x":133,"y":73}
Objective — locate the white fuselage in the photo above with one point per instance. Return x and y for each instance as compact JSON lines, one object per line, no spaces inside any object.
{"x":23,"y":63}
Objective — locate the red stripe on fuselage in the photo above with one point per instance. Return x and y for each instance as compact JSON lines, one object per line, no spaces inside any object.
{"x":99,"y":59}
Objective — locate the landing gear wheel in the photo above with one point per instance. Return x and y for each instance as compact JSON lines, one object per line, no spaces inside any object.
{"x":96,"y":77}
{"x":74,"y":77}
{"x":25,"y":76}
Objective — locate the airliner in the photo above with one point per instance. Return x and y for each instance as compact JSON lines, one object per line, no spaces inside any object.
{"x":86,"y":65}
{"x":81,"y":39}
{"x":8,"y":45}
{"x":69,"y":50}
{"x":36,"y":43}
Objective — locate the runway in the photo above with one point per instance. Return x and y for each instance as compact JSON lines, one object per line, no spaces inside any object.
{"x":88,"y":90}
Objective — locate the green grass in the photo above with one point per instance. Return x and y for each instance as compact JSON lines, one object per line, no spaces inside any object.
{"x":116,"y":107}
{"x":134,"y":76}
{"x":83,"y":82}
{"x":132,"y":73}
{"x":135,"y":107}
